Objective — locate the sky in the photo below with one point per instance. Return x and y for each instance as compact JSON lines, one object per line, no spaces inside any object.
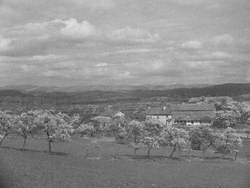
{"x":124,"y":42}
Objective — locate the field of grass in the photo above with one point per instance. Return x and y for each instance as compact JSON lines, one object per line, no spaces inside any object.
{"x":110,"y":165}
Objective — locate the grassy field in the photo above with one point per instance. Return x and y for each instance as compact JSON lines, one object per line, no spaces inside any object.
{"x":109,"y":165}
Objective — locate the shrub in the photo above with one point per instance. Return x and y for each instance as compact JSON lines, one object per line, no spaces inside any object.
{"x":228,"y":141}
{"x":201,"y":137}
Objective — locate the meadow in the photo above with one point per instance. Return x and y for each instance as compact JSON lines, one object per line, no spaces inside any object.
{"x":101,"y":162}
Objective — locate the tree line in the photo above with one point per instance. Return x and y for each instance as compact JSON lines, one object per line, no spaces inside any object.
{"x":149,"y":134}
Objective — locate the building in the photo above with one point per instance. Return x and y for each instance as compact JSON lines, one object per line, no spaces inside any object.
{"x":163,"y":114}
{"x":194,"y":114}
{"x":188,"y":114}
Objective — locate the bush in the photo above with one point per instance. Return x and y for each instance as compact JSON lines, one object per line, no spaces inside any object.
{"x":201,"y":138}
{"x":228,"y":141}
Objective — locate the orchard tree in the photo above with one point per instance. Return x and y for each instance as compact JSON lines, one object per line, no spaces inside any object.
{"x":225,"y":119}
{"x":201,"y":137}
{"x":54,"y":126}
{"x":232,"y":113}
{"x":85,"y":129}
{"x":74,"y":120}
{"x":243,"y":111}
{"x":24,"y":125}
{"x":175,"y":138}
{"x":119,"y":125}
{"x":135,"y":130}
{"x":228,"y":142}
{"x":150,"y":142}
{"x":247,"y":131}
{"x":6,"y":125}
{"x":151,"y":134}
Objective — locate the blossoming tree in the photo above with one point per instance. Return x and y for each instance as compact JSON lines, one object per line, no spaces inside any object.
{"x":175,"y":138}
{"x":228,"y":142}
{"x":6,"y":125}
{"x":151,"y":135}
{"x":54,"y":126}
{"x":24,"y":125}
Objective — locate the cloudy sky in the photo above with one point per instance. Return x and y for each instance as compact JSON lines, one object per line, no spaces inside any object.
{"x":85,"y":42}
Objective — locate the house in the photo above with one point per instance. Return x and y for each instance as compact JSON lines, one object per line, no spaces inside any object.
{"x":163,"y":114}
{"x":194,"y":114}
{"x":101,"y":122}
{"x":188,"y":114}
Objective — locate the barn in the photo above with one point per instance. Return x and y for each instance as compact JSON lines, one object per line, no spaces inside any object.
{"x":188,"y":114}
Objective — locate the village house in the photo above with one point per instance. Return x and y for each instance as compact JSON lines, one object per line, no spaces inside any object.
{"x":163,"y":114}
{"x":188,"y":114}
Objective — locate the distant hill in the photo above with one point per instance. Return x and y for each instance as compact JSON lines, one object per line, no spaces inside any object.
{"x":81,"y":88}
{"x":12,"y":93}
{"x":230,"y":89}
{"x":44,"y":96}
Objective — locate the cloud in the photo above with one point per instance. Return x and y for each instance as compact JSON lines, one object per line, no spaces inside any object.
{"x":203,"y":64}
{"x":132,"y":51}
{"x":133,"y":35}
{"x":192,"y":44}
{"x":221,"y":55}
{"x":76,"y":29}
{"x":223,"y":39}
{"x":101,"y":65}
{"x":189,"y":2}
{"x":56,"y":27}
{"x":40,"y":38}
{"x":4,"y":43}
{"x":46,"y":57}
{"x":96,"y":4}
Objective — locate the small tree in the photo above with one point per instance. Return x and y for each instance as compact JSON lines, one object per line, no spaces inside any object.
{"x":85,"y":129}
{"x":175,"y":138}
{"x":74,"y":121}
{"x":228,"y":142}
{"x":119,"y":127}
{"x":25,"y":125}
{"x":135,"y":130}
{"x":150,"y":142}
{"x":54,"y":126}
{"x":6,"y":125}
{"x":201,"y":137}
{"x":247,"y":131}
{"x":151,"y":135}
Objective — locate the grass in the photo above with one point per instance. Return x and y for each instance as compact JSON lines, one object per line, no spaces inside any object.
{"x":101,"y":163}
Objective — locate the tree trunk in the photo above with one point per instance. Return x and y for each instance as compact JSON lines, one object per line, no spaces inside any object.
{"x":49,"y":142}
{"x":50,"y":146}
{"x":135,"y":149}
{"x":135,"y":140}
{"x":1,"y":141}
{"x":235,"y":157}
{"x":24,"y":142}
{"x":172,"y":152}
{"x":148,"y":152}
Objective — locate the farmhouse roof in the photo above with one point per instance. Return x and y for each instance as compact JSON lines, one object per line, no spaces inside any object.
{"x":193,"y":107}
{"x":102,"y":119}
{"x":194,"y":115}
{"x":158,"y":111}
{"x":171,"y":109}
